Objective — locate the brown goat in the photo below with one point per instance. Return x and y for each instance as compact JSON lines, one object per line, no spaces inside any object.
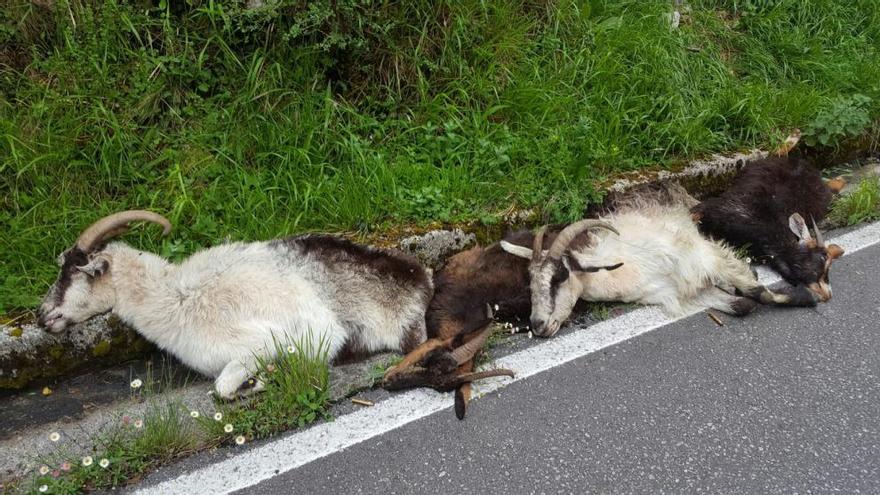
{"x":474,"y":287}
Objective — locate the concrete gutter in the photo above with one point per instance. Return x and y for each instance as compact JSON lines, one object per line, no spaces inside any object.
{"x":24,"y":447}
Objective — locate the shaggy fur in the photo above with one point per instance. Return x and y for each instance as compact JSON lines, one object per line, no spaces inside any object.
{"x":756,"y":212}
{"x":659,"y":257}
{"x":221,"y":308}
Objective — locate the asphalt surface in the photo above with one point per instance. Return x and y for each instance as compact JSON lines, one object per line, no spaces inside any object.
{"x":783,"y":401}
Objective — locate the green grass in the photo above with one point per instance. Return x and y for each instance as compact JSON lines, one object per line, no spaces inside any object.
{"x":296,"y":394}
{"x":861,"y":205}
{"x":361,"y":116}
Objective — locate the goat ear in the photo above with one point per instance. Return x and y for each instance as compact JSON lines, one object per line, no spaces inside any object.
{"x":521,"y":251}
{"x":797,"y":225}
{"x":834,"y":251}
{"x":96,"y":266}
{"x":592,"y":269}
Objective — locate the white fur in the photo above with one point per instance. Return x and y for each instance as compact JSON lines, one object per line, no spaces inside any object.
{"x":221,"y":308}
{"x":665,"y":261}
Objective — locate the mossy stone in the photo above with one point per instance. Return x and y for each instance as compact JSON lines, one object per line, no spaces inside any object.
{"x":102,"y":348}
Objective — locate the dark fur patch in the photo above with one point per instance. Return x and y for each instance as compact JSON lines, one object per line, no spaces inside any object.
{"x":478,"y":277}
{"x":754,"y":212}
{"x":354,"y":348}
{"x":743,"y":306}
{"x":73,"y":258}
{"x":383,"y":262}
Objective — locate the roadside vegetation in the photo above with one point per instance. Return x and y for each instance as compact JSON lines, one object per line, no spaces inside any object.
{"x":296,"y":395}
{"x":862,"y":205}
{"x":364,"y":116}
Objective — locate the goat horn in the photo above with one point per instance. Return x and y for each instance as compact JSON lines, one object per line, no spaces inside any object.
{"x":569,"y":233}
{"x":819,"y":239}
{"x":538,"y":244}
{"x":479,"y":375}
{"x":466,"y":352}
{"x":114,"y":225}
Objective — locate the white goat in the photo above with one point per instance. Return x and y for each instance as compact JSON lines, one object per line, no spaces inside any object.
{"x":227,"y":305}
{"x":645,"y":252}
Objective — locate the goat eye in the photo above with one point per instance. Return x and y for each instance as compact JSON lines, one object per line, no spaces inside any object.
{"x":561,"y":275}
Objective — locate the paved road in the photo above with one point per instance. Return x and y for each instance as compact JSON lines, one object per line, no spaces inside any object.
{"x":784,"y":401}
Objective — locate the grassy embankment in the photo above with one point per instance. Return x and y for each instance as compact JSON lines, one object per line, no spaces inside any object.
{"x":366,"y":116}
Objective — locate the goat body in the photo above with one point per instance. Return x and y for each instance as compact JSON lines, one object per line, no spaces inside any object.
{"x":457,"y":318}
{"x":646,"y":252}
{"x":764,"y":210}
{"x":226,"y":306}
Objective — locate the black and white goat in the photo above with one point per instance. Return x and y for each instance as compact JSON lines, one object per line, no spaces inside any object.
{"x":660,"y":256}
{"x":765,"y":209}
{"x":225,"y":306}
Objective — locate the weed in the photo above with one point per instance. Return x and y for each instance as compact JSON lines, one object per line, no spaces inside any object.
{"x":377,"y":371}
{"x":126,"y":452}
{"x":861,"y":205}
{"x":296,"y":394}
{"x":844,"y":118}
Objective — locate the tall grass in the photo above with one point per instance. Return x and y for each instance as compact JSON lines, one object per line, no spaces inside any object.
{"x":358,"y":116}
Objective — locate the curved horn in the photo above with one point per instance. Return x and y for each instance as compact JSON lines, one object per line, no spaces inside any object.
{"x":114,"y":225}
{"x":538,"y":244}
{"x":820,"y":241}
{"x":467,"y":351}
{"x":569,"y":233}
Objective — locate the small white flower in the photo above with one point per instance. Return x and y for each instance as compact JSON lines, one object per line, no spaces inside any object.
{"x":194,"y":414}
{"x":54,"y":436}
{"x":44,"y":470}
{"x":104,"y":462}
{"x":218,"y":416}
{"x":138,"y":423}
{"x":136,"y":383}
{"x":530,"y":334}
{"x":239,"y":440}
{"x":228,"y":428}
{"x":87,"y":461}
{"x":290,"y":349}
{"x":43,"y":488}
{"x":496,"y":307}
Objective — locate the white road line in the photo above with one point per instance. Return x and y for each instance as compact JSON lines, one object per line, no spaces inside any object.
{"x":287,"y":453}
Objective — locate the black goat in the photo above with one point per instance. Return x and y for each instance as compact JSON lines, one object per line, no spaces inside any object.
{"x":764,"y":210}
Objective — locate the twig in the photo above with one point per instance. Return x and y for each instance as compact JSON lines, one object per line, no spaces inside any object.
{"x":362,"y":402}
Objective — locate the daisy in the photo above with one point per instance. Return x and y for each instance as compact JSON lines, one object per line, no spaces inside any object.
{"x":218,"y":416}
{"x":239,"y":440}
{"x":44,"y":470}
{"x":56,"y":473}
{"x":65,"y":466}
{"x":139,"y":423}
{"x":290,"y":349}
{"x":228,"y":428}
{"x":136,"y":383}
{"x":194,"y":414}
{"x":43,"y":488}
{"x":104,"y":462}
{"x":54,"y":436}
{"x":87,"y":461}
